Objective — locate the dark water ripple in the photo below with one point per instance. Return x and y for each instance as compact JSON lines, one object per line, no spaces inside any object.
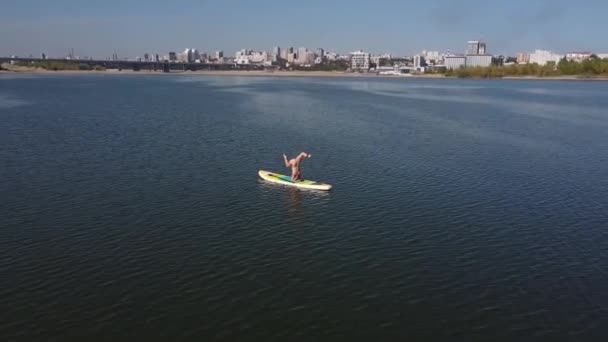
{"x":461,"y":210}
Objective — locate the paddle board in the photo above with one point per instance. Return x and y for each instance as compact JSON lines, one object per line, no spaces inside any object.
{"x":286,"y":180}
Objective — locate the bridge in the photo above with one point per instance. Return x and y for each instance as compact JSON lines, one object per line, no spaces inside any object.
{"x":163,"y":66}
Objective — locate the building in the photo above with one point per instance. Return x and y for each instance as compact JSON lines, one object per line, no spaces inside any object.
{"x":172,"y":56}
{"x":306,"y":58}
{"x":359,"y":60}
{"x":252,"y":57}
{"x":321,"y":53}
{"x":43,"y":56}
{"x":375,"y":60}
{"x":476,"y":54}
{"x":419,"y":62}
{"x":478,"y":60}
{"x":433,"y":57}
{"x":542,"y":57}
{"x":578,"y":56}
{"x":475,"y":47}
{"x":196,"y":56}
{"x":331,"y":56}
{"x":301,"y":55}
{"x":602,"y":55}
{"x":454,"y":62}
{"x":187,"y":56}
{"x":243,"y":52}
{"x":285,"y":52}
{"x":276,"y":53}
{"x":218,"y":57}
{"x":242,"y":60}
{"x":523,"y":58}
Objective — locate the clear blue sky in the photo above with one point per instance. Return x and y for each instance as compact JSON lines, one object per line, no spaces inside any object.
{"x":98,"y":28}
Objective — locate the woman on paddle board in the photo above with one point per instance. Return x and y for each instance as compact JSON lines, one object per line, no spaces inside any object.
{"x":296,"y":173}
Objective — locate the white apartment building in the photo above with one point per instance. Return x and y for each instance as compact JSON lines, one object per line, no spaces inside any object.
{"x":359,"y":60}
{"x":542,"y":57}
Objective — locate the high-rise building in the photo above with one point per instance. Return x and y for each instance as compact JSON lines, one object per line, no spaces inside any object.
{"x":301,"y":54}
{"x":309,"y":58}
{"x":419,"y":62}
{"x":172,"y":56}
{"x":321,"y":52}
{"x":276,"y":53}
{"x":359,"y":60}
{"x":187,"y":56}
{"x":475,"y":47}
{"x":476,"y":54}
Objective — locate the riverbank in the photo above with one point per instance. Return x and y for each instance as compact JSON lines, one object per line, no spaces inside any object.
{"x":258,"y":73}
{"x":265,"y":73}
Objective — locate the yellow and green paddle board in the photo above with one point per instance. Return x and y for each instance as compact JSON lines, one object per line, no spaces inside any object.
{"x":286,"y":180}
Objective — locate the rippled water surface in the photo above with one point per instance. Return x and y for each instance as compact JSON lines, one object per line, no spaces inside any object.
{"x":461,"y":210}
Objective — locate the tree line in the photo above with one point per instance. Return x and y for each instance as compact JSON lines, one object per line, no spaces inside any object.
{"x":60,"y":65}
{"x":591,"y":67}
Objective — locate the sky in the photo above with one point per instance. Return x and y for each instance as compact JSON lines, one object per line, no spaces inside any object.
{"x":131,"y":28}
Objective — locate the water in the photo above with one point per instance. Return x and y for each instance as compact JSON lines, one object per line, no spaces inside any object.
{"x":461,"y":210}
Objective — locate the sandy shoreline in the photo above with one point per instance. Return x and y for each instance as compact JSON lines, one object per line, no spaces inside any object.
{"x":258,"y":73}
{"x":261,"y":73}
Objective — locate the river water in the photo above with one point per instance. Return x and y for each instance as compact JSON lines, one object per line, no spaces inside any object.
{"x":461,"y":209}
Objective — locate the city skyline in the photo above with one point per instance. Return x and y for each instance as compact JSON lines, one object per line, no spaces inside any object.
{"x":100,"y":30}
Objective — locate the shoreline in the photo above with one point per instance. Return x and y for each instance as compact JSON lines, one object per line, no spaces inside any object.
{"x":260,"y":73}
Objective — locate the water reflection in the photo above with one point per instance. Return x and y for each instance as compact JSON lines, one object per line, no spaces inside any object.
{"x":294,"y":200}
